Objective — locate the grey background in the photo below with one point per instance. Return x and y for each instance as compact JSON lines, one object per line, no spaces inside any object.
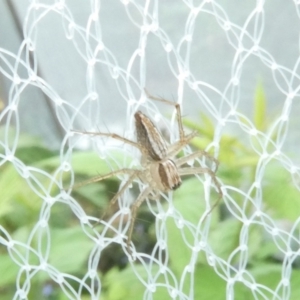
{"x":61,"y":64}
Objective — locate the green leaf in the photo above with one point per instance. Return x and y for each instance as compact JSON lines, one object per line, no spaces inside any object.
{"x":8,"y":269}
{"x":124,"y":284}
{"x":189,"y":201}
{"x":9,"y":186}
{"x":90,"y":164}
{"x":69,"y":249}
{"x":17,"y":197}
{"x":205,"y":130}
{"x":96,"y":194}
{"x":280,"y":194}
{"x":260,"y":107}
{"x":32,"y":154}
{"x":270,"y":275}
{"x":225,"y":238}
{"x":87,"y":163}
{"x":208,"y":285}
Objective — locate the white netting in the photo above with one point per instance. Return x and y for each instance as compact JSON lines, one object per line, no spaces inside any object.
{"x":83,"y":65}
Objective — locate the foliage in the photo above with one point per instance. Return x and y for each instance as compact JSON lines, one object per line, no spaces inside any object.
{"x":19,"y":211}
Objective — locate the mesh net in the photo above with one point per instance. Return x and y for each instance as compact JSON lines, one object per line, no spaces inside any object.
{"x":84,"y":66}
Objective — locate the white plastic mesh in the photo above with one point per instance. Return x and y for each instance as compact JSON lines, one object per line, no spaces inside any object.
{"x":89,"y":61}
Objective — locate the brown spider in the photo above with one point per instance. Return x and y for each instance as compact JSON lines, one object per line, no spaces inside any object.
{"x":161,"y":171}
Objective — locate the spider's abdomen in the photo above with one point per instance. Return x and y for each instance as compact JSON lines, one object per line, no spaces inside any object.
{"x":168,"y":175}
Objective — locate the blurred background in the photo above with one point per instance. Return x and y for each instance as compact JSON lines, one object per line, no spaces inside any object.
{"x":234,"y":68}
{"x":62,"y":51}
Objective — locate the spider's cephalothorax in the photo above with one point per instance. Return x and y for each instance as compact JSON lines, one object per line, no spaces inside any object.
{"x":148,"y":136}
{"x":160,"y":170}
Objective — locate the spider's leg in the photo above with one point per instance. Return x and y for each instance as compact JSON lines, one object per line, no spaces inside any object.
{"x":122,"y":190}
{"x":131,"y":172}
{"x":199,"y":170}
{"x":102,"y":177}
{"x":197,"y":154}
{"x":141,"y":198}
{"x":178,"y":112}
{"x":114,"y":136}
{"x":175,"y":148}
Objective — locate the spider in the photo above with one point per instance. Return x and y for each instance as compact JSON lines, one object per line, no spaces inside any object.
{"x":160,"y":170}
